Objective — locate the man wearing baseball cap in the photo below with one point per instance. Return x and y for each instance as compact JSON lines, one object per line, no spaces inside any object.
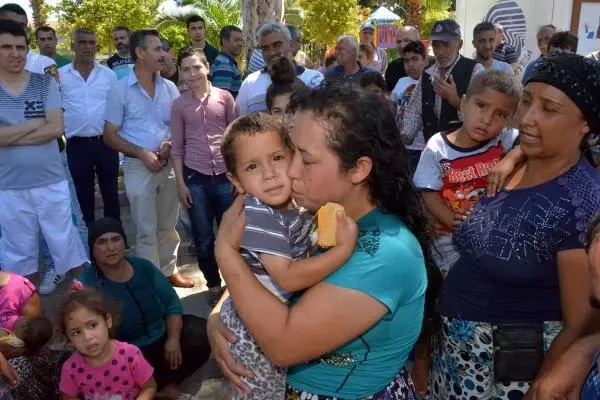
{"x":435,"y":103}
{"x":367,"y":35}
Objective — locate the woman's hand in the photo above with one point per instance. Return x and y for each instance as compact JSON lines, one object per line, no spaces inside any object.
{"x":173,"y":353}
{"x":231,"y":228}
{"x":10,"y":375}
{"x":219,"y":337}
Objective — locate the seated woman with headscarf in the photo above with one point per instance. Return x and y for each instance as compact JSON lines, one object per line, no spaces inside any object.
{"x":151,"y":314}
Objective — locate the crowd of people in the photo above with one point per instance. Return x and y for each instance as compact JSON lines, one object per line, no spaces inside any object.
{"x":367,"y":228}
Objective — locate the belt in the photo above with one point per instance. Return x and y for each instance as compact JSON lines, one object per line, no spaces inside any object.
{"x":96,"y":138}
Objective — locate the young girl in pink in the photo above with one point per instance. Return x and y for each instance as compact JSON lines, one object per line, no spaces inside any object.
{"x":18,"y":297}
{"x":102,"y":368}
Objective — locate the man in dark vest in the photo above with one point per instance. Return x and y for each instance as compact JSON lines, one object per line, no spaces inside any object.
{"x":435,"y":103}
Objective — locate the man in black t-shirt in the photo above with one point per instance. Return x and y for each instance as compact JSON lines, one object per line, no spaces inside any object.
{"x":196,"y":28}
{"x":121,"y":62}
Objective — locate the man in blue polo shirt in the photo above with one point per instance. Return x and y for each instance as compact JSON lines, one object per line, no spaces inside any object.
{"x":348,"y":68}
{"x":224,"y":72}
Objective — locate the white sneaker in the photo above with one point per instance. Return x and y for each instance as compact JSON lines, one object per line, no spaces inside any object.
{"x":50,"y":281}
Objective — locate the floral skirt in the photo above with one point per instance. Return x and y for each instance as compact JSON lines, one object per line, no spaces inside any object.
{"x":463,"y":363}
{"x":401,"y":388}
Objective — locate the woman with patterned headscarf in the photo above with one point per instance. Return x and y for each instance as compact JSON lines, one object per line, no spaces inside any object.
{"x":519,"y":295}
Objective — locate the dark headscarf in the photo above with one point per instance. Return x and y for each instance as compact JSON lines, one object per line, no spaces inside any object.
{"x":99,"y":228}
{"x":576,"y":76}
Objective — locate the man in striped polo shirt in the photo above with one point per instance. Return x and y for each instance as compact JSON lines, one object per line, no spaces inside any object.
{"x":224,"y":70}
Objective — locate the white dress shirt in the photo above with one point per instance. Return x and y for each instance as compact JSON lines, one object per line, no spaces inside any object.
{"x":84,"y":102}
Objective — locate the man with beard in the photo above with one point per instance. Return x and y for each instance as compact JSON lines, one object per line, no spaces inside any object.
{"x":138,"y":119}
{"x":224,"y":71}
{"x":47,"y":41}
{"x":85,"y":85}
{"x":435,"y":103}
{"x":121,"y":62}
{"x":484,"y":39}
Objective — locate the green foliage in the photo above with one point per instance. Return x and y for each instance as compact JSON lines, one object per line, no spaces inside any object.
{"x":176,"y":35}
{"x":324,"y":21}
{"x":216,"y":13}
{"x":102,"y":16}
{"x":435,"y":10}
{"x":293,"y":14}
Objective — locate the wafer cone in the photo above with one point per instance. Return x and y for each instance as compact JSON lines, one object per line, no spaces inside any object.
{"x":327,"y":224}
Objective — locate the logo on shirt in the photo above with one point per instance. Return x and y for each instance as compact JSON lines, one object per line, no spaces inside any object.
{"x":33,"y":109}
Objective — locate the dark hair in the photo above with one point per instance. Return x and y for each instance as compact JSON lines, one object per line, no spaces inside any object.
{"x":415,"y":46}
{"x":592,"y":232}
{"x":502,"y":82}
{"x":13,"y":28}
{"x":45,"y":28}
{"x":194,"y":18}
{"x":368,"y":49}
{"x":190,"y":51}
{"x":372,"y":78}
{"x":282,"y":70}
{"x":225,"y":33}
{"x":294,"y":31}
{"x":122,"y":28}
{"x":563,"y":41}
{"x":330,"y":60}
{"x":485,"y":26}
{"x":138,"y":39}
{"x":35,"y":332}
{"x":249,"y":124}
{"x":360,"y":124}
{"x":13,"y":7}
{"x":91,"y":299}
{"x":280,"y":89}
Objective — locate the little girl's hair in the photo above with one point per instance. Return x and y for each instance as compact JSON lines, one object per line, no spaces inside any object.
{"x":91,"y":299}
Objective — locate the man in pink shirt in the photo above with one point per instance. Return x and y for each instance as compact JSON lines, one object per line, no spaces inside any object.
{"x":198,"y":120}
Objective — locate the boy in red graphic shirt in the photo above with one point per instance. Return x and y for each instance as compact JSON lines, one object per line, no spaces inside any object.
{"x":452,"y":172}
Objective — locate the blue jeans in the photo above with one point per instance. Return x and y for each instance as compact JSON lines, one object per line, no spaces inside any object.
{"x":45,"y":256}
{"x":211,"y":197}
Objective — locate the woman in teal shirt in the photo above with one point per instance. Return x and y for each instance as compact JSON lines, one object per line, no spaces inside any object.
{"x":349,"y":336}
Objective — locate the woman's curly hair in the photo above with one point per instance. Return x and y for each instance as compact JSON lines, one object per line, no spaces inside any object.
{"x":360,"y":124}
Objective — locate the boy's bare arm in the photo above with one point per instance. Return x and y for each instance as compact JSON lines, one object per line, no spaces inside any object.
{"x":438,"y":208}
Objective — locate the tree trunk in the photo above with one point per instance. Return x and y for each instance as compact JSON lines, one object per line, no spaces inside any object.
{"x":36,"y":11}
{"x":415,"y":14}
{"x":256,"y":13}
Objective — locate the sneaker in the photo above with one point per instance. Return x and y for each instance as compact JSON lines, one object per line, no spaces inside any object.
{"x":50,"y":281}
{"x":214,"y":295}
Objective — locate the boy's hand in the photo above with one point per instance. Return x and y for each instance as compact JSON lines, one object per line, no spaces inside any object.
{"x":460,"y":215}
{"x":498,"y":174}
{"x":346,"y":233}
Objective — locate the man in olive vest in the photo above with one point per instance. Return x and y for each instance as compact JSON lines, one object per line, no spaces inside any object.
{"x":435,"y":103}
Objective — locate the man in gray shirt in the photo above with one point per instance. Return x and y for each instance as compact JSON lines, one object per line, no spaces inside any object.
{"x":33,"y":190}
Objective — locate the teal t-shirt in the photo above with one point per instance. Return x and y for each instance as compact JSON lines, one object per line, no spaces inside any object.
{"x":388,"y":265}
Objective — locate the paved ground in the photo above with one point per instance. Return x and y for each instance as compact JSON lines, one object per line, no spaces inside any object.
{"x":207,"y":383}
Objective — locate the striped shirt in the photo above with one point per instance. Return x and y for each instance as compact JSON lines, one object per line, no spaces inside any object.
{"x":226,"y":74}
{"x":197,"y":128}
{"x":282,"y":233}
{"x":257,"y":61}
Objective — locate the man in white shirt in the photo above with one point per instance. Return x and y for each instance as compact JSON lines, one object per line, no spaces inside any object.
{"x":274,"y":39}
{"x":138,"y":124}
{"x":85,"y":85}
{"x":40,"y":64}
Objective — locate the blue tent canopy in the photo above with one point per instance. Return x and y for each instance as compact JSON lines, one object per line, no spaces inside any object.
{"x":383,"y":15}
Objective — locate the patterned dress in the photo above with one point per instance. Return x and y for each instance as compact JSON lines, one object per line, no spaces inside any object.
{"x":507,"y":273}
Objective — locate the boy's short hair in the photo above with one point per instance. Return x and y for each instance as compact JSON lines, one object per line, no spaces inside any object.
{"x":279,"y":89}
{"x":190,"y":51}
{"x":565,"y":41}
{"x":485,"y":26}
{"x":500,"y":81}
{"x":368,"y":49}
{"x":417,"y":47}
{"x":249,"y":124}
{"x":194,"y":18}
{"x":373,"y":78}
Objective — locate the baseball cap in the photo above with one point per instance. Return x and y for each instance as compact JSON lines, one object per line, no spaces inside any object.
{"x":367,"y":25}
{"x":445,"y":30}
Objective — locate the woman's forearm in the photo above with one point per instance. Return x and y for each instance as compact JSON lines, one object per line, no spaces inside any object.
{"x":174,"y":324}
{"x":561,"y":343}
